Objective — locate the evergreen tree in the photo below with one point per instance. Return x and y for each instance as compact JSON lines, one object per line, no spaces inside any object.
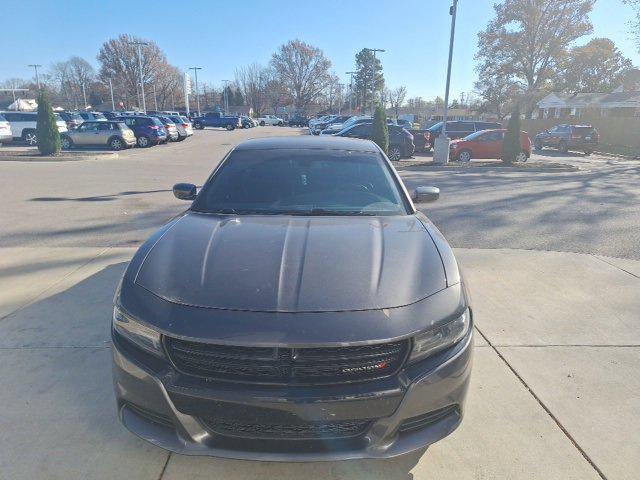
{"x":46,"y":128}
{"x":239,"y":97}
{"x":380,"y":130}
{"x":512,"y":145}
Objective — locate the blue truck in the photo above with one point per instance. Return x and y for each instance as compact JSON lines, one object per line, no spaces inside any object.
{"x":216,"y":119}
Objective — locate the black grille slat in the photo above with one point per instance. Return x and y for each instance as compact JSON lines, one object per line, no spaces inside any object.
{"x":286,"y":365}
{"x":291,"y":431}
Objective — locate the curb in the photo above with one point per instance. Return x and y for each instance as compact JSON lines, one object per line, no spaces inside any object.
{"x":61,"y":158}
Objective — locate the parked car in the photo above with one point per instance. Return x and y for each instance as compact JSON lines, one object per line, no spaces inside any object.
{"x":183,"y":125}
{"x":405,"y":123}
{"x":336,"y":122}
{"x":170,"y":127}
{"x":23,"y":125}
{"x":332,"y":129}
{"x":569,"y":137}
{"x":270,"y":120}
{"x":298,"y":120}
{"x":95,"y":116}
{"x":283,"y":352}
{"x":72,"y":119}
{"x":400,"y":140}
{"x":111,"y":115}
{"x":456,"y":129}
{"x":323,"y":119}
{"x":147,"y":130}
{"x":115,"y":135}
{"x":246,"y":122}
{"x":486,"y":144}
{"x":5,"y":131}
{"x":216,"y":119}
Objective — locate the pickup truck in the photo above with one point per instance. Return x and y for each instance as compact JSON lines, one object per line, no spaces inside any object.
{"x":216,"y":119}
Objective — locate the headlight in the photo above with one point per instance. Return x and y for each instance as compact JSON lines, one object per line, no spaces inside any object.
{"x":439,"y":338}
{"x":141,"y":335}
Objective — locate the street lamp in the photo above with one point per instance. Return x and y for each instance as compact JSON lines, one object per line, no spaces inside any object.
{"x":226,"y":96}
{"x":351,"y":91}
{"x":195,"y":69}
{"x":113,"y":103}
{"x":35,"y":67}
{"x":139,"y":45}
{"x":441,"y":147}
{"x":374,"y":50}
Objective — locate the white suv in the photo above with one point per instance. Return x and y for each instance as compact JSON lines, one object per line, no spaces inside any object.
{"x":5,"y":131}
{"x":23,"y":125}
{"x":270,"y":120}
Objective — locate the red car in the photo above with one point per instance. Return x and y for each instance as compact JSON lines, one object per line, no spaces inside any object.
{"x":486,"y":144}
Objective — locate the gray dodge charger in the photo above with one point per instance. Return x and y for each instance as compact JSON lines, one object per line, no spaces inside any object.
{"x":300,"y":309}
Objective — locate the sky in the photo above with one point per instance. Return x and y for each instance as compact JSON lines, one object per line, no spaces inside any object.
{"x":221,"y":36}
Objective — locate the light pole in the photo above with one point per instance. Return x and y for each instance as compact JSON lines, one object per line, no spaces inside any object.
{"x":351,"y":91}
{"x":139,"y":45}
{"x":374,"y":50}
{"x":441,"y":150}
{"x":113,"y":103}
{"x":195,"y":69}
{"x":35,"y":67}
{"x":226,"y":96}
{"x":84,"y":96}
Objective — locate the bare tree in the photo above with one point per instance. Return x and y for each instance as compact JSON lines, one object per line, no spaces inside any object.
{"x":396,"y":98}
{"x":252,"y":80}
{"x":303,"y":70}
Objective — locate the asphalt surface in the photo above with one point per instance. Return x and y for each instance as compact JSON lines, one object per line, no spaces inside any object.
{"x":120,"y":202}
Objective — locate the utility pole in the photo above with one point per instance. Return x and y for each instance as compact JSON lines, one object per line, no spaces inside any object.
{"x":374,"y":50}
{"x":113,"y":102}
{"x":226,"y":96}
{"x":351,"y":91}
{"x":441,"y":150}
{"x":195,"y":69}
{"x":139,"y":45}
{"x":187,"y":91}
{"x":35,"y":67}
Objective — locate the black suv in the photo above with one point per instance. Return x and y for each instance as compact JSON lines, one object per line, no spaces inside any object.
{"x":298,"y":121}
{"x":568,"y":137}
{"x":456,"y":129}
{"x":400,"y":140}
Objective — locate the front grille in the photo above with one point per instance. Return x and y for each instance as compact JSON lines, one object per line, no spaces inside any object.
{"x":287,"y":365}
{"x":294,"y":431}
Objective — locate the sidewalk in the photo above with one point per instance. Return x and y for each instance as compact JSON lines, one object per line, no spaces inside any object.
{"x":554,"y":395}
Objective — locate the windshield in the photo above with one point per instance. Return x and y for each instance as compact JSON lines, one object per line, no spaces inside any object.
{"x":302,"y":182}
{"x":474,"y":135}
{"x":437,"y":126}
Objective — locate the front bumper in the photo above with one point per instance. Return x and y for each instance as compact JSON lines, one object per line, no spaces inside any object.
{"x":6,"y":138}
{"x":421,"y":405}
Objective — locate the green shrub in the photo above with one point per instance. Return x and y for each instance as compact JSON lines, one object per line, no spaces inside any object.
{"x":46,"y":129}
{"x":512,"y":144}
{"x":380,"y":130}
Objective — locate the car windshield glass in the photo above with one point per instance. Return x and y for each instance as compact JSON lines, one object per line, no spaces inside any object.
{"x":436,"y":127}
{"x":157,"y":122}
{"x":474,"y":135}
{"x":583,"y":130}
{"x":302,"y":182}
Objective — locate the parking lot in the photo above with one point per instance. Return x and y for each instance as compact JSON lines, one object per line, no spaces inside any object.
{"x":551,"y":257}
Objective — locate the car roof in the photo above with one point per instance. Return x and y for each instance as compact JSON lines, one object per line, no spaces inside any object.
{"x":325,"y":142}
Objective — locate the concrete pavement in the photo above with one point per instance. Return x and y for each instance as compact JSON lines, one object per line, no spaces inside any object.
{"x":545,"y":402}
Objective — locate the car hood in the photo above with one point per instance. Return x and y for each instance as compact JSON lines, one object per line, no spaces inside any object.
{"x":293,"y":264}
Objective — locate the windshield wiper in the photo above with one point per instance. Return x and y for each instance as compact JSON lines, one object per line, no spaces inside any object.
{"x":327,"y":212}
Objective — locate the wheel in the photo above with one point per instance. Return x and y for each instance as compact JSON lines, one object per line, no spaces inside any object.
{"x":588,"y":152}
{"x":522,"y":157}
{"x":230,"y":127}
{"x":30,"y":137}
{"x":181,"y":138}
{"x":464,"y":156}
{"x":279,"y":124}
{"x":563,"y":147}
{"x":246,"y":125}
{"x":198,"y":126}
{"x":538,"y":145}
{"x":143,"y":141}
{"x":395,"y":153}
{"x":116,"y":143}
{"x":65,"y":142}
{"x":262,"y":123}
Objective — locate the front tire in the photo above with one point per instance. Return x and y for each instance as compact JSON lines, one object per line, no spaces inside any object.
{"x":143,"y":141}
{"x":522,"y":157}
{"x":230,"y":127}
{"x":262,"y":123}
{"x":279,"y":124}
{"x":66,"y":143}
{"x":30,"y":138}
{"x":563,"y":147}
{"x":465,"y":156}
{"x":198,"y":126}
{"x":588,"y":152}
{"x":395,"y":153}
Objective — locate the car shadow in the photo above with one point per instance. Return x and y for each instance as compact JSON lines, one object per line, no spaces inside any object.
{"x":56,"y":364}
{"x":96,"y":198}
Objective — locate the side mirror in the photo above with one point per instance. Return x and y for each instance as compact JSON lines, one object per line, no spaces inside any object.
{"x":185,"y":191}
{"x":426,"y":194}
